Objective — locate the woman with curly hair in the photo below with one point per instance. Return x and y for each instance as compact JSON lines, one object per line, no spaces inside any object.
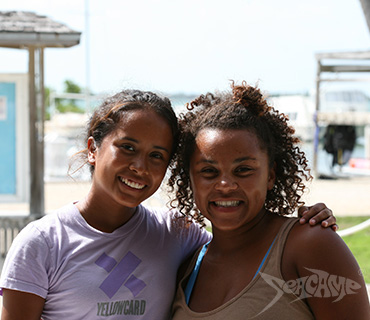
{"x":240,"y":167}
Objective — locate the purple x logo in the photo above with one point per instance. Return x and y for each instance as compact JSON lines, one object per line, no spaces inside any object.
{"x":120,"y":274}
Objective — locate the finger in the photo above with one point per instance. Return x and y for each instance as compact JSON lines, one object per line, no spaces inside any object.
{"x":324,"y":216}
{"x":308,"y":212}
{"x":325,"y":222}
{"x":302,"y":212}
{"x":335,"y":227}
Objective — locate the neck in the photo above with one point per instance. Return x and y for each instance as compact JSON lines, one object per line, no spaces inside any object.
{"x":103,"y":216}
{"x":227,"y":242}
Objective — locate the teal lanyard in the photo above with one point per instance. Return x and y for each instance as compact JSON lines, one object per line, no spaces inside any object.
{"x":194,"y":274}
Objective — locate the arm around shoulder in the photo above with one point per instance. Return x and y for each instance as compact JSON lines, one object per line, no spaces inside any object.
{"x":331,"y":278}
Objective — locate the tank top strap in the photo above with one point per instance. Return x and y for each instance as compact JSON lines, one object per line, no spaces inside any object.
{"x":276,"y":254}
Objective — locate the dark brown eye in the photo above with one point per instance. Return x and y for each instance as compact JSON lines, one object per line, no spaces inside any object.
{"x":127,"y":147}
{"x":243,"y":169}
{"x":157,"y":155}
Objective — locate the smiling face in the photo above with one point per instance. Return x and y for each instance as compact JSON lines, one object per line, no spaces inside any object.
{"x":131,"y":161}
{"x":230,"y":177}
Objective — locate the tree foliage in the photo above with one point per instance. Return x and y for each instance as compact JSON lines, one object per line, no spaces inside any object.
{"x":69,"y":105}
{"x":63,"y":105}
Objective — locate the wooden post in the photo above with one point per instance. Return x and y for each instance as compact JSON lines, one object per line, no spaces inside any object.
{"x":36,"y":111}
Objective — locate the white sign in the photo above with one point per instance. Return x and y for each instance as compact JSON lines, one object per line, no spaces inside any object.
{"x":3,"y":108}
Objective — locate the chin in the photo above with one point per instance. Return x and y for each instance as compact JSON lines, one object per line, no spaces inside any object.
{"x":129,"y":204}
{"x":222,"y":226}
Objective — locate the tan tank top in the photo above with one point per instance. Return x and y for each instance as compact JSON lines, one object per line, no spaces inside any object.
{"x":265,"y":297}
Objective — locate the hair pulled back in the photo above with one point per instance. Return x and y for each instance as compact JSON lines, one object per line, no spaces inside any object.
{"x":244,"y":107}
{"x":109,"y":114}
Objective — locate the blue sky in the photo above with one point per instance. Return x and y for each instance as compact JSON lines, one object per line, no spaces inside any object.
{"x":194,"y":46}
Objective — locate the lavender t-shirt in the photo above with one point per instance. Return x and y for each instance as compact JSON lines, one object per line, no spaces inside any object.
{"x":83,"y":273}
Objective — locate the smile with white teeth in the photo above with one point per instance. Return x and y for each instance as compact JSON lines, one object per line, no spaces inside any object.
{"x":132,"y":184}
{"x":227,"y":203}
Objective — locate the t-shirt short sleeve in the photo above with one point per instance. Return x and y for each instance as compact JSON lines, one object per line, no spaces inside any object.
{"x":26,"y":263}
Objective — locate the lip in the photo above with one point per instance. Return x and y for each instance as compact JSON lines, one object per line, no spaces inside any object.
{"x":226,"y":205}
{"x":132,"y":184}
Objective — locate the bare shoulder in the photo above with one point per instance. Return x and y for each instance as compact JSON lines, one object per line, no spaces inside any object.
{"x":313,"y":238}
{"x":315,"y":246}
{"x":337,"y":287}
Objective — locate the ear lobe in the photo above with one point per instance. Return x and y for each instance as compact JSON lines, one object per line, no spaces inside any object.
{"x":272,"y":177}
{"x":91,"y":148}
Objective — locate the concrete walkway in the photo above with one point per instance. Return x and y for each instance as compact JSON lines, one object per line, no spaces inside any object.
{"x":345,"y":196}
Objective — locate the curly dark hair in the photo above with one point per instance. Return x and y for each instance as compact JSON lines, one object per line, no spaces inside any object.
{"x":243,"y":108}
{"x":108,"y":115}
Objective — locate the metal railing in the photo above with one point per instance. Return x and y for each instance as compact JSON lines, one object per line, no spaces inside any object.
{"x":9,"y":228}
{"x":354,"y":229}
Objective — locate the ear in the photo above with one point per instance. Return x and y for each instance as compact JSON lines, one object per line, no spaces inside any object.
{"x":272,"y":177}
{"x":91,"y":149}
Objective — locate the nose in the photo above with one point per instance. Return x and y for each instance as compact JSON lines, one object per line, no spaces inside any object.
{"x":139,"y":165}
{"x":226,"y":184}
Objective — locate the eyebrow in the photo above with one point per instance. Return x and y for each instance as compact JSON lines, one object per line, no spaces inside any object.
{"x":137,"y":141}
{"x":244,"y":159}
{"x":238,"y":160}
